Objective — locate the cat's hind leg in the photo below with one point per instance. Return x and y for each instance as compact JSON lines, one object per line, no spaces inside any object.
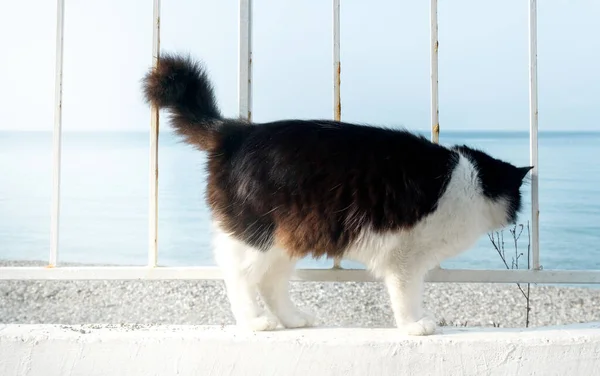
{"x":274,"y":289}
{"x":243,"y":267}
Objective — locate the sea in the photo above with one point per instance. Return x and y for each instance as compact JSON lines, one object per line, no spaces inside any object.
{"x":104,"y":200}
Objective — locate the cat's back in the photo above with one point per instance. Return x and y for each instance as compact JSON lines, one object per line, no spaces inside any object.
{"x":304,"y":146}
{"x":332,"y":160}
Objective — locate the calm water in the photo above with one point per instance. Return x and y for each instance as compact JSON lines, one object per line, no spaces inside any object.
{"x":105,"y":199}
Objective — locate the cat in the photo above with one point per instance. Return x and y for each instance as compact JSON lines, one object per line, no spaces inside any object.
{"x":283,"y":190}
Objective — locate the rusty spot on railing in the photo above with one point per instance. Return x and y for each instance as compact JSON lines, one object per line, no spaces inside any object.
{"x":437,"y":45}
{"x":436,"y":133}
{"x":338,"y":83}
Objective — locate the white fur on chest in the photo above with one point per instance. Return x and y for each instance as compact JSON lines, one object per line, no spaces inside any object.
{"x":463,"y":215}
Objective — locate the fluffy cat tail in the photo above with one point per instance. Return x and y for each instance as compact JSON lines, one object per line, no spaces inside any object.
{"x":181,"y":85}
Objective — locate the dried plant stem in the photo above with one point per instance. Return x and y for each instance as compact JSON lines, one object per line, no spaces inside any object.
{"x":528,"y":267}
{"x":497,"y":240}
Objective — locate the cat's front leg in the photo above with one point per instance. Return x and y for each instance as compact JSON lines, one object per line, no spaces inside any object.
{"x":406,"y":295}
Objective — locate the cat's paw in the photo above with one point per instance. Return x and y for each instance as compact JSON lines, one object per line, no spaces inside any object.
{"x":260,"y":323}
{"x":298,"y":319}
{"x":423,"y":327}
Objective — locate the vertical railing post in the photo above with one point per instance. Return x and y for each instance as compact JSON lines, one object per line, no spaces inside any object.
{"x":337,"y":66}
{"x":337,"y":79}
{"x":435,"y":114}
{"x":533,"y":136}
{"x":245,"y":60}
{"x":57,"y":134}
{"x":433,"y":69}
{"x":154,"y":116}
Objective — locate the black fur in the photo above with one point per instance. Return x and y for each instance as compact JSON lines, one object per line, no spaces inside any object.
{"x":182,"y":85}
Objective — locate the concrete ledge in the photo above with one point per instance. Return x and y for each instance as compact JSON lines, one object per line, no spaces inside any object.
{"x":131,"y":350}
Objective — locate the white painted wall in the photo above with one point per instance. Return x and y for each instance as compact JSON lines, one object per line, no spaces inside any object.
{"x":89,"y":350}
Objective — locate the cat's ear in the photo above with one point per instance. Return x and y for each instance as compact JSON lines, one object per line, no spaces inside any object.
{"x":523,"y":171}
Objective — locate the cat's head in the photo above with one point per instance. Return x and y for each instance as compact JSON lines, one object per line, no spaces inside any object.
{"x":500,"y":181}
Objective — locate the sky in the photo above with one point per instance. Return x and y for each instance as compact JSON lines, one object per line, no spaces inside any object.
{"x":483,"y":61}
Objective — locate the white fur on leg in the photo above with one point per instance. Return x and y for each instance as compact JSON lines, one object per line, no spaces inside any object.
{"x":423,"y":327}
{"x":242,"y":270}
{"x":406,"y":293}
{"x":261,"y":323}
{"x":274,"y":289}
{"x":244,"y":306}
{"x":247,"y":271}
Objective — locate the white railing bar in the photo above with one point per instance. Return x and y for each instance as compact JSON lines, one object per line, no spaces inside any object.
{"x":337,"y":66}
{"x":337,"y":79}
{"x":245,"y":60}
{"x":435,"y":114}
{"x":57,"y":134}
{"x":434,"y":81}
{"x":154,"y":116}
{"x":533,"y":136}
{"x":321,"y":275}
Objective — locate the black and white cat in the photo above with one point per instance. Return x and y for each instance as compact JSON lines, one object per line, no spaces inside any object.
{"x":283,"y":190}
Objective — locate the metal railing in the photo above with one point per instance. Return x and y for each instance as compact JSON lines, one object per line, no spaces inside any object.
{"x":152,"y":271}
